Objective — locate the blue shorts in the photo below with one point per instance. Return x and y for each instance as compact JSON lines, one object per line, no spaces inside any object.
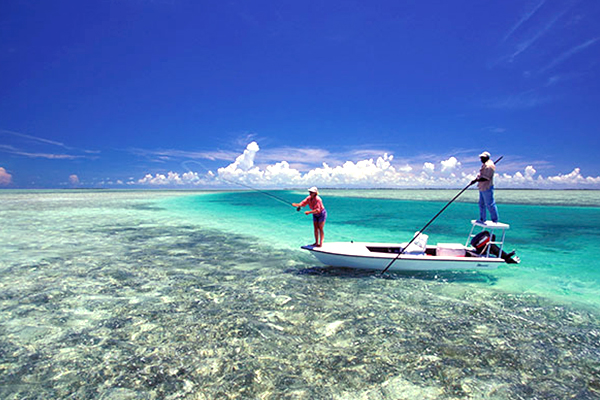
{"x":320,"y":217}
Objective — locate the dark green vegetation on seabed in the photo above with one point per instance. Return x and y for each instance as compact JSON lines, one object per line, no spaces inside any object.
{"x":134,"y":305}
{"x":195,"y":315}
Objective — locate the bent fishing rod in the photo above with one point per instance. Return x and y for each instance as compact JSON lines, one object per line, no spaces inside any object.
{"x":402,"y":249}
{"x":279,"y":199}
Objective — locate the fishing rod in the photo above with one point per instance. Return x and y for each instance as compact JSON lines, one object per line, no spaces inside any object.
{"x":279,"y":199}
{"x":433,"y":219}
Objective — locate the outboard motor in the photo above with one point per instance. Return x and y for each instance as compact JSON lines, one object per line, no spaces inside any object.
{"x":482,"y":240}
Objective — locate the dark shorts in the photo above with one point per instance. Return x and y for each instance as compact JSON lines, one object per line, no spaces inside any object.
{"x":320,"y":217}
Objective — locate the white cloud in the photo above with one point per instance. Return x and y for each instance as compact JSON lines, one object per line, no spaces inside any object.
{"x":405,"y":168}
{"x":536,"y":33}
{"x":49,"y":156}
{"x":28,"y":141}
{"x":528,"y":179}
{"x":74,"y":180}
{"x":171,"y":178}
{"x":574,"y":177}
{"x":524,"y":18}
{"x":570,"y":53}
{"x":530,"y":171}
{"x":377,"y":172}
{"x":364,"y":173}
{"x":281,"y":174}
{"x":294,"y":155}
{"x":169,"y":154}
{"x":450,"y":165}
{"x":244,"y":162}
{"x":428,"y":168}
{"x":524,"y":100}
{"x":5,"y":177}
{"x":33,"y":139}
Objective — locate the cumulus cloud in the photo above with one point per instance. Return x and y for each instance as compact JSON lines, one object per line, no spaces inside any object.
{"x":74,"y":180}
{"x":450,"y":165}
{"x":364,"y":173}
{"x":379,"y":172}
{"x":5,"y":177}
{"x":573,"y":177}
{"x":525,"y":178}
{"x":172,"y":178}
{"x":246,"y":161}
{"x":529,"y":179}
{"x":428,"y":168}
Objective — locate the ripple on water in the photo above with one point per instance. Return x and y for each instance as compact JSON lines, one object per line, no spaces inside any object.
{"x":154,"y":309}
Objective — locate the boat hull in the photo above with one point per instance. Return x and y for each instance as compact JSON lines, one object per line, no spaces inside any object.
{"x":357,"y":255}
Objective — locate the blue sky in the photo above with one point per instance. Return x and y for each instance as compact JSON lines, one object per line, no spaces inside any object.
{"x":137,"y":93}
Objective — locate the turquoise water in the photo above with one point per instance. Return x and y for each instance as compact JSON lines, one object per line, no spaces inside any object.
{"x":206,"y":295}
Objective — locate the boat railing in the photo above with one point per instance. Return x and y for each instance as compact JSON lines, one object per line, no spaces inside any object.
{"x":492,"y":227}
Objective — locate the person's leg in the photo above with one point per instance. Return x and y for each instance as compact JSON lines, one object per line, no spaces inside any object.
{"x":491,"y":204}
{"x":488,"y":204}
{"x":321,"y":233}
{"x":482,"y":207}
{"x":316,"y":229}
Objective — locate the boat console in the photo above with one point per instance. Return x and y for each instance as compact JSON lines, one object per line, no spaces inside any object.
{"x":484,"y":239}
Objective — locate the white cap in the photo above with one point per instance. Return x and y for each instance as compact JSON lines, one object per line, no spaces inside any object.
{"x":485,"y":154}
{"x":313,"y":189}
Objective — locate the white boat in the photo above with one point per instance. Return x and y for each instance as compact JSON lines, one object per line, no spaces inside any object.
{"x":482,"y":251}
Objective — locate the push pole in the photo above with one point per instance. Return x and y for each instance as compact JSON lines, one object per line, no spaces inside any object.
{"x":430,"y":221}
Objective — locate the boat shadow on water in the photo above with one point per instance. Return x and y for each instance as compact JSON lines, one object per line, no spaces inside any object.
{"x":442,"y":276}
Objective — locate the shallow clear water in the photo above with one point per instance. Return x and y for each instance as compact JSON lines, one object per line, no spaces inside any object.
{"x":192,"y":295}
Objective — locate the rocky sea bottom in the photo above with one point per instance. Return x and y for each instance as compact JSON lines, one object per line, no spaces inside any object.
{"x":143,"y":310}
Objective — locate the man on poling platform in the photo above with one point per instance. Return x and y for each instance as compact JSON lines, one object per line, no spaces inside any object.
{"x":485,"y":184}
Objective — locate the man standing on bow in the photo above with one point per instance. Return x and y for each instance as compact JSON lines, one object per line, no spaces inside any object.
{"x":318,"y":212}
{"x":485,"y":183}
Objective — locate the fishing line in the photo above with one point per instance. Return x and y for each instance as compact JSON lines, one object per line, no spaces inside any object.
{"x":277,"y":198}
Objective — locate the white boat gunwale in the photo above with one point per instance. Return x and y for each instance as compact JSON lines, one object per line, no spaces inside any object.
{"x":391,"y":256}
{"x":361,"y":255}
